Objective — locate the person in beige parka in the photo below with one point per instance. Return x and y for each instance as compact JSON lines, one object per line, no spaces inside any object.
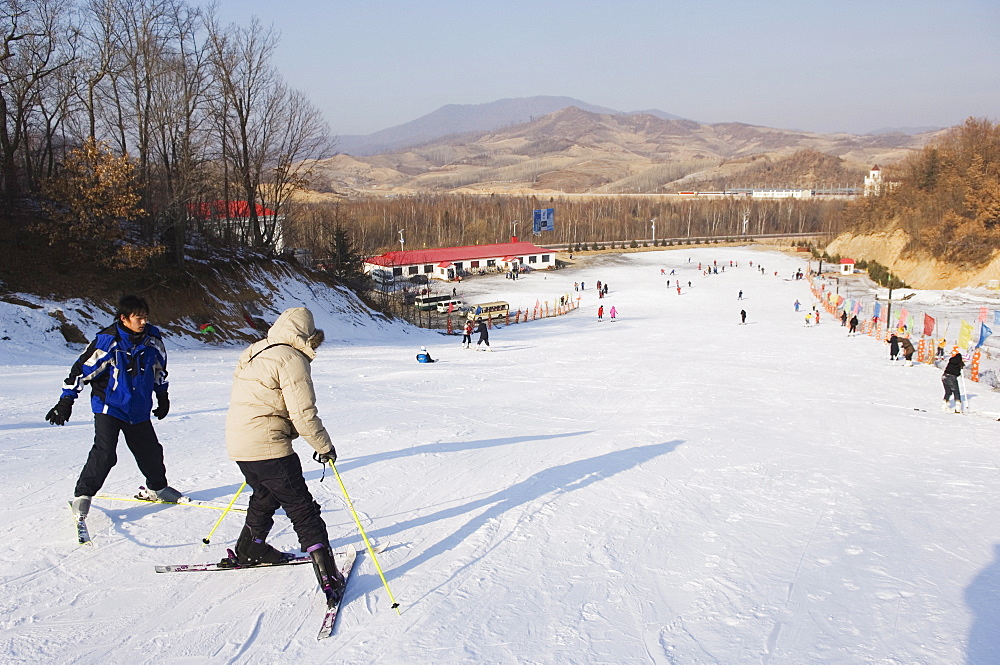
{"x":272,"y":403}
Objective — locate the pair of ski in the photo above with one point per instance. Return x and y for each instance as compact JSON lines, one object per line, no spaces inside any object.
{"x":80,"y":521}
{"x":344,"y":560}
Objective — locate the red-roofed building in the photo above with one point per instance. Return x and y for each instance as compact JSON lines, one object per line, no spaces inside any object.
{"x":447,"y":263}
{"x":216,"y":217}
{"x":847,"y":266}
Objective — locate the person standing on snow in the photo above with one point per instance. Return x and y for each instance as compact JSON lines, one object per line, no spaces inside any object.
{"x":484,"y":334}
{"x":893,"y":347}
{"x":854,"y":326}
{"x":467,"y":335}
{"x":600,"y":313}
{"x":273,"y":402}
{"x":125,"y":365}
{"x":613,"y":312}
{"x":743,"y":316}
{"x":908,"y":349}
{"x":843,"y":318}
{"x":950,"y":380}
{"x":797,"y":305}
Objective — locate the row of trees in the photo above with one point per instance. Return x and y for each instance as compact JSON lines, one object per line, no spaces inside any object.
{"x":947,"y":196}
{"x":196,"y":106}
{"x":431,"y":220}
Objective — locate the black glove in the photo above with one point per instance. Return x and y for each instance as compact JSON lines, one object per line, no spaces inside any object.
{"x":60,"y":413}
{"x":162,"y":406}
{"x":324,"y":458}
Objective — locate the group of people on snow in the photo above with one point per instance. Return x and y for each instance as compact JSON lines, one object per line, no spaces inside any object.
{"x":271,"y":403}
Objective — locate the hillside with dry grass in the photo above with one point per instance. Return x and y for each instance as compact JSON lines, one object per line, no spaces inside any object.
{"x":576,"y":151}
{"x":936,"y":220}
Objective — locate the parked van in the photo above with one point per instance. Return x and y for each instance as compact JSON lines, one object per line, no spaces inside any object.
{"x":455,"y":304}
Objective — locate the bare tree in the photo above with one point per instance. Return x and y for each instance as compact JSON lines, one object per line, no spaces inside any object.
{"x":245,"y":105}
{"x":33,"y":48}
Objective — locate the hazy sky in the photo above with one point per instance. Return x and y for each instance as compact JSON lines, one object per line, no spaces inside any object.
{"x":819,"y":66}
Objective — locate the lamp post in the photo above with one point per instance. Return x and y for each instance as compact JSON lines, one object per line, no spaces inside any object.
{"x":401,"y":241}
{"x":514,"y":233}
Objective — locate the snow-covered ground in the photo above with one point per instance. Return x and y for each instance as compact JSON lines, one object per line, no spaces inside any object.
{"x":669,"y":488}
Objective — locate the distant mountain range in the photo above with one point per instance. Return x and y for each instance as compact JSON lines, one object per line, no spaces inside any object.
{"x":454,"y":119}
{"x":562,"y":145}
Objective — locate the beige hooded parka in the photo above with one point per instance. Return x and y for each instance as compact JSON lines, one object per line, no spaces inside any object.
{"x":273,"y":400}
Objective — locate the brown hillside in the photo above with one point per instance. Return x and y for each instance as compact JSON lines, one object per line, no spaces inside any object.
{"x":576,"y":151}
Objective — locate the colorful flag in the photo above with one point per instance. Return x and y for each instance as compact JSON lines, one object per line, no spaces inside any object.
{"x":928,"y":325}
{"x":857,"y":307}
{"x":983,"y":312}
{"x":840,"y":301}
{"x":965,"y":334}
{"x":909,"y":323}
{"x":996,"y":317}
{"x":984,"y":332}
{"x":878,"y":310}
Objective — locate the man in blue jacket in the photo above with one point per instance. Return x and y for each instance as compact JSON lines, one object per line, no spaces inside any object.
{"x":124,"y":365}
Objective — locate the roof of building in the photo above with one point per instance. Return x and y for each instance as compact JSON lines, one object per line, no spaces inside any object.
{"x":468,"y":253}
{"x":848,"y":261}
{"x":226,"y":210}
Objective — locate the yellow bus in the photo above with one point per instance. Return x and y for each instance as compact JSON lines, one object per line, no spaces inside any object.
{"x":490,"y":310}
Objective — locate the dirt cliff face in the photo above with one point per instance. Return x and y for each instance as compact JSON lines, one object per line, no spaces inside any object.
{"x":918,"y":270}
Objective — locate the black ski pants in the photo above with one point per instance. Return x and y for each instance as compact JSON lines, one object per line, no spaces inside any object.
{"x":951,"y":387}
{"x":278,"y":483}
{"x":140,"y":439}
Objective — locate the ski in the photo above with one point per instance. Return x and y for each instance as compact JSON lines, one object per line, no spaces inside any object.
{"x":345,"y":563}
{"x":229,"y":563}
{"x":194,"y":503}
{"x":82,"y":533}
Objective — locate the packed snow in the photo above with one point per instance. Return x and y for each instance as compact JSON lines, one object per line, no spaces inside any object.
{"x":671,"y":487}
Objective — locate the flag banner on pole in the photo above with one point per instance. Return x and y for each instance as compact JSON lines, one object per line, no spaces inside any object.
{"x":902,"y":317}
{"x":996,"y":317}
{"x":857,"y":307}
{"x":840,"y":301}
{"x":909,"y":323}
{"x":878,"y":310}
{"x":928,"y":325}
{"x":984,"y":332}
{"x":983,"y":313}
{"x":965,"y":334}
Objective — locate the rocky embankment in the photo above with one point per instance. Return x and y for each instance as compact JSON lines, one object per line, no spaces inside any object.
{"x":918,"y":270}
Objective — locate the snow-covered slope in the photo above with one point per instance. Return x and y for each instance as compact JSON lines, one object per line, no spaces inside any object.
{"x":671,"y":487}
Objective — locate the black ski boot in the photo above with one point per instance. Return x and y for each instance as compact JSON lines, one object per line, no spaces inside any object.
{"x":329,"y":578}
{"x":252,"y":550}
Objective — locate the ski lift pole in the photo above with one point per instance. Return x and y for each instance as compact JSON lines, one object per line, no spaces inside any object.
{"x":364,"y":537}
{"x":207,"y":539}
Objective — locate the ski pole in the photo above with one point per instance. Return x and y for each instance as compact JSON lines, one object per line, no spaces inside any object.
{"x":207,"y":539}
{"x":364,"y":537}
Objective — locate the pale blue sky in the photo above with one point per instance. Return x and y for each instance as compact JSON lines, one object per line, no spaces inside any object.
{"x":833,"y":66}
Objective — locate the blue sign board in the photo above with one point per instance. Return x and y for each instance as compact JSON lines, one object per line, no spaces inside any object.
{"x":545,"y":220}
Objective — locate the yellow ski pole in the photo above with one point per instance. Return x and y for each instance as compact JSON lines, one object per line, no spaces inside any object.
{"x":207,"y":539}
{"x":364,"y":537}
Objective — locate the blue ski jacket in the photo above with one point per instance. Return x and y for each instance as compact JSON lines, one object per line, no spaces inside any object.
{"x":123,"y":369}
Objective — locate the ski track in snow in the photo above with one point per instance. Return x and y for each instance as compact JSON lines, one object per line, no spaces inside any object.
{"x":671,"y":488}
